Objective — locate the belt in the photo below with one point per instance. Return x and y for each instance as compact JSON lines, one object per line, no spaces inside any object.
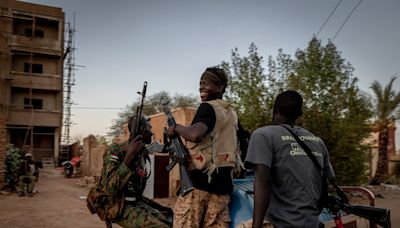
{"x":130,"y":199}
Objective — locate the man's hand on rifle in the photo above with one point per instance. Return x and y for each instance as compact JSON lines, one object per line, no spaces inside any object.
{"x":132,"y":149}
{"x":171,"y":131}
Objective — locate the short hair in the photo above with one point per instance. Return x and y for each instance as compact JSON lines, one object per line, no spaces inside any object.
{"x":289,"y":104}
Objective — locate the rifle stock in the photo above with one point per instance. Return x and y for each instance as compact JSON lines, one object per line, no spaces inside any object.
{"x":380,"y":216}
{"x":180,"y":155}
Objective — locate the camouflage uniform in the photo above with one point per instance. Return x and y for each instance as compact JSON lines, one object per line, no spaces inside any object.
{"x":27,"y":177}
{"x":190,"y":208}
{"x":122,"y":182}
{"x":214,"y":157}
{"x":249,"y":224}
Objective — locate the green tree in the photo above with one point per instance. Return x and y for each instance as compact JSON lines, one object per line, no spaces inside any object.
{"x":279,"y":70}
{"x":101,"y":139}
{"x":334,"y":107}
{"x":246,"y":89}
{"x":13,"y":162}
{"x":152,"y":105}
{"x":386,"y":110}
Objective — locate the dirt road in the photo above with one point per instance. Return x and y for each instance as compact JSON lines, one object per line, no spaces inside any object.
{"x":57,"y":204}
{"x":60,"y":204}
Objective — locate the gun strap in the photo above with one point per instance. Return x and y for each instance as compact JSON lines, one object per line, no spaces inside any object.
{"x":306,"y":149}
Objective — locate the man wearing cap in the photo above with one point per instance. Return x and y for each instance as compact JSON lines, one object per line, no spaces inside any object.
{"x":27,"y":177}
{"x":213,"y":143}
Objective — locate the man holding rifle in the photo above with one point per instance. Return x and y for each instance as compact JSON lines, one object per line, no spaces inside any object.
{"x":290,"y":164}
{"x":118,"y":197}
{"x":212,"y":140}
{"x":122,"y":182}
{"x":287,"y":185}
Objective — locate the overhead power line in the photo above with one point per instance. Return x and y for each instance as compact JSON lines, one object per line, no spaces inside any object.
{"x":329,"y":17}
{"x":347,"y":18}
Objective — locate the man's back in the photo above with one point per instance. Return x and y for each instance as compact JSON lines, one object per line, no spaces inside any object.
{"x":296,"y":182}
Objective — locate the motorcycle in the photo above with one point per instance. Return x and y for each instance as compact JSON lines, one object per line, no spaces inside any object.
{"x":72,"y":167}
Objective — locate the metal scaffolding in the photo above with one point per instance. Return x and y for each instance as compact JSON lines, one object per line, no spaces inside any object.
{"x":68,"y":83}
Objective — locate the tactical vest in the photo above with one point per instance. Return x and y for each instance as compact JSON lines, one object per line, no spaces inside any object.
{"x":220,"y":147}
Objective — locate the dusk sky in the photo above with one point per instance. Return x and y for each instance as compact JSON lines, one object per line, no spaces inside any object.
{"x":170,"y":43}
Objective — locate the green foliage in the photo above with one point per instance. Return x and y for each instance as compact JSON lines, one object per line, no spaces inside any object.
{"x":151,"y":106}
{"x":102,"y":140}
{"x":334,"y":107}
{"x":386,"y":105}
{"x":386,"y":111}
{"x":13,"y":162}
{"x":279,"y":70}
{"x":246,"y":89}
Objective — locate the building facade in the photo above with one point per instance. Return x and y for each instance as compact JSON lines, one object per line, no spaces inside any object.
{"x":31,"y":76}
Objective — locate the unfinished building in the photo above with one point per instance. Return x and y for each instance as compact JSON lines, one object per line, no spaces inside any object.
{"x":31,"y":76}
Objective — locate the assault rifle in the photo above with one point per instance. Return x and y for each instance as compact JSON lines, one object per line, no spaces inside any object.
{"x":136,"y":131}
{"x":380,"y":216}
{"x":178,"y":154}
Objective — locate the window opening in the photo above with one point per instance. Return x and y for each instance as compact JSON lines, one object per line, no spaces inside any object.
{"x":36,"y":68}
{"x":36,"y":103}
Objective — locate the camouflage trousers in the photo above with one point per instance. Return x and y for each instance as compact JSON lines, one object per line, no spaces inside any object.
{"x":202,"y":209}
{"x":249,"y":224}
{"x":26,"y":180}
{"x":140,"y":214}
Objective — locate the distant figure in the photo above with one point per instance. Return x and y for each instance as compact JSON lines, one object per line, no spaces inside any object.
{"x":28,"y":175}
{"x":287,"y":185}
{"x":118,"y":198}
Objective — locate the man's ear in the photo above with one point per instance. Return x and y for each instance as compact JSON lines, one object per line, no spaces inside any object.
{"x":220,"y":88}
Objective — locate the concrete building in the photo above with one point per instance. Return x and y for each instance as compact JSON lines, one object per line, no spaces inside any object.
{"x":31,"y":76}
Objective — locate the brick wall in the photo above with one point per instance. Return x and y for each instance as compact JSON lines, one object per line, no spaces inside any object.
{"x":3,"y":146}
{"x":92,"y":156}
{"x":92,"y":161}
{"x":158,"y":121}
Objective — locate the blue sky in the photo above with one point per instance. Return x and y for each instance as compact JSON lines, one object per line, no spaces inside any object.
{"x":169,"y":43}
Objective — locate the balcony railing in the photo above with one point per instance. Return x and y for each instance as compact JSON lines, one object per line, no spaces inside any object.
{"x":43,"y":118}
{"x":41,"y":45}
{"x":36,"y":81}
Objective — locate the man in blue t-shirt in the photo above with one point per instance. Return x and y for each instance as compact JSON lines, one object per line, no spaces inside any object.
{"x":287,"y":184}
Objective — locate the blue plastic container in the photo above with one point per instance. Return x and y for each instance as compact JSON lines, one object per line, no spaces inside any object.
{"x":242,"y":202}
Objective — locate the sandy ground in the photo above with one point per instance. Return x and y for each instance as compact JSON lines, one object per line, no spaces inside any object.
{"x":61,"y":203}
